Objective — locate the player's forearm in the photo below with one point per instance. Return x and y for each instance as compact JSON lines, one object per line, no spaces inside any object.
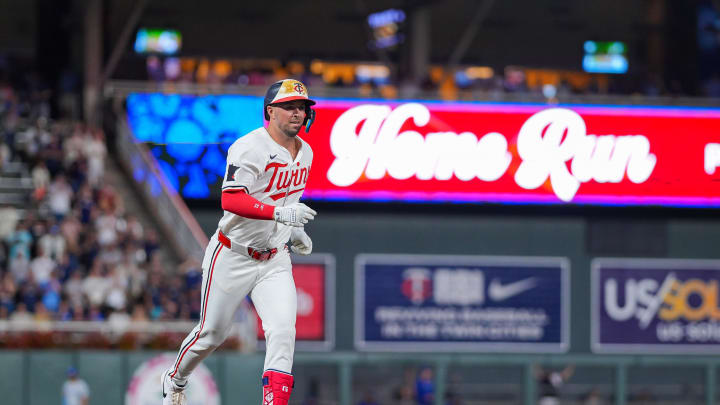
{"x":243,"y":204}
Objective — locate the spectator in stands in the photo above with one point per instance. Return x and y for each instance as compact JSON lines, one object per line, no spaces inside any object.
{"x":70,"y":229}
{"x":41,"y":180}
{"x":51,"y":294}
{"x":51,"y":152}
{"x":116,"y":297}
{"x":21,"y":239}
{"x":8,"y":289}
{"x":19,"y":266}
{"x":42,"y":266}
{"x":95,"y":285}
{"x":95,"y":314}
{"x":53,"y":243}
{"x":60,"y":197}
{"x":5,"y":155}
{"x":95,"y":152}
{"x":106,"y":226}
{"x":64,"y":312}
{"x":78,"y":313}
{"x":74,"y":222}
{"x":134,"y":228}
{"x":73,"y":145}
{"x":21,"y":314}
{"x":42,"y":317}
{"x":119,"y":321}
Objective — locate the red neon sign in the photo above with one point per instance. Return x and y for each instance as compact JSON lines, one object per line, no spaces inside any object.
{"x":471,"y":152}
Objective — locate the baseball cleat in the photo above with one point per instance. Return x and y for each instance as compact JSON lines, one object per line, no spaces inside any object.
{"x":172,"y":394}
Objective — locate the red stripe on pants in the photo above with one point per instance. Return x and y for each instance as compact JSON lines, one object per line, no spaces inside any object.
{"x":202,"y":322}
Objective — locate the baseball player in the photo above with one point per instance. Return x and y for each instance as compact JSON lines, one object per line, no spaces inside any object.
{"x":266,"y":173}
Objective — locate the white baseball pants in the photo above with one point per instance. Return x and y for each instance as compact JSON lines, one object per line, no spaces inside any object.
{"x":228,"y":277}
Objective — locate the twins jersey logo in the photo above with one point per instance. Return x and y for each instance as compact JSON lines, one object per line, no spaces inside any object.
{"x":285,"y":179}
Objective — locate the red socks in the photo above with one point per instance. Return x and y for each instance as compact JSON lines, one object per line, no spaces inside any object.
{"x":277,"y":387}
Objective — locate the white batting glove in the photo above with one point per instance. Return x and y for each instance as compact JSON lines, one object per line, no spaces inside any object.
{"x":300,"y":242}
{"x":295,"y":214}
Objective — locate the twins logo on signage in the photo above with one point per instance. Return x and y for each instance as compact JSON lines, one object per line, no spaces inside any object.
{"x":466,"y":303}
{"x":416,"y":285}
{"x":655,"y":305}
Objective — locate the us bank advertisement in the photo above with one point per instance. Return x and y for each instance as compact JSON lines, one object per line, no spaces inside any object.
{"x":461,"y":303}
{"x":655,"y":306}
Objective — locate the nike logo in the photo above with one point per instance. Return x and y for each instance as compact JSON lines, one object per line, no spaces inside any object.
{"x":499,"y":292}
{"x":273,"y":156}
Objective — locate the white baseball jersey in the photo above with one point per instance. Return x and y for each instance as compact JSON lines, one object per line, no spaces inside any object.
{"x":266,"y":171}
{"x":74,"y":392}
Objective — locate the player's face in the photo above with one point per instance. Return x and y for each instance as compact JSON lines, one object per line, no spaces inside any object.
{"x":288,"y":116}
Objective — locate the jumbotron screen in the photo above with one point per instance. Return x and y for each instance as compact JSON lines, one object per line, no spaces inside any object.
{"x":464,"y":152}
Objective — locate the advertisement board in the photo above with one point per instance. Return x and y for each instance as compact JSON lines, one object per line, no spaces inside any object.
{"x":372,"y":150}
{"x":314,"y":277}
{"x":655,"y":306}
{"x":461,"y":303}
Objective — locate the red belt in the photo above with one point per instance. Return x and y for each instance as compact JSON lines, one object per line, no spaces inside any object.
{"x":259,"y":255}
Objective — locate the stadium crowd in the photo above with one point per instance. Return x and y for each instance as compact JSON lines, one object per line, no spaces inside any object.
{"x":73,"y":252}
{"x":370,"y":79}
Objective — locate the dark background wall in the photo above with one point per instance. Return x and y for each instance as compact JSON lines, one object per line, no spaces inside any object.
{"x":538,"y":33}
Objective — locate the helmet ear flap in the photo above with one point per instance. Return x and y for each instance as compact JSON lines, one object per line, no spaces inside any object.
{"x":309,"y":118}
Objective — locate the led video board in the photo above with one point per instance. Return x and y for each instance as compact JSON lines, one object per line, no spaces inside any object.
{"x":371,"y":150}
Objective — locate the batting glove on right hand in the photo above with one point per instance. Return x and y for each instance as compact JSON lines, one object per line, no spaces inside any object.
{"x":295,"y":214}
